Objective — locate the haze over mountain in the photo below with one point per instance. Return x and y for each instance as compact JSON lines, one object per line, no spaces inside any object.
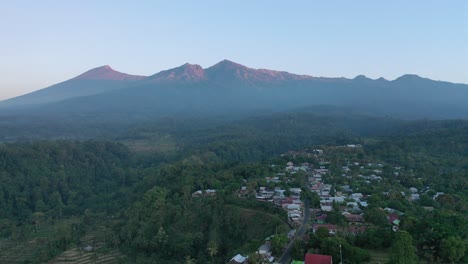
{"x":231,"y":88}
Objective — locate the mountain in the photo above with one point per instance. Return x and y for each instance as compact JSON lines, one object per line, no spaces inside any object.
{"x":95,"y":81}
{"x":107,"y":73}
{"x":228,"y":71}
{"x":185,"y":73}
{"x":229,"y":88}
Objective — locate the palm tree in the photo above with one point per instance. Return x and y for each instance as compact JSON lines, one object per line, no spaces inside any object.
{"x":212,"y":249}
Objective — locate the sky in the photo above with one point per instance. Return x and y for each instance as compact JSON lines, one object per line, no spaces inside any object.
{"x":46,"y":42}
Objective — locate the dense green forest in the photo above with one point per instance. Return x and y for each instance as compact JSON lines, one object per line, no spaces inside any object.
{"x":137,"y":186}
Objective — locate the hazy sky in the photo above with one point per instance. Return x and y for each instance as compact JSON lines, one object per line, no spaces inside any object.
{"x":45,"y":42}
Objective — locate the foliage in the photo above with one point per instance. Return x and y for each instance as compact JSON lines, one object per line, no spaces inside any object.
{"x":403,"y":251}
{"x":453,"y":249}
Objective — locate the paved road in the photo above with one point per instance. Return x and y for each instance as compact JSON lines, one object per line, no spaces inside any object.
{"x":286,"y":257}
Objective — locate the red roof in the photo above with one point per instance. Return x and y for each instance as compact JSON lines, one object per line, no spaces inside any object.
{"x":393,"y":217}
{"x":317,"y":259}
{"x":322,"y":217}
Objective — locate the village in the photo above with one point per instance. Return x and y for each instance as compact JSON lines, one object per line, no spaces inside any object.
{"x":339,"y":197}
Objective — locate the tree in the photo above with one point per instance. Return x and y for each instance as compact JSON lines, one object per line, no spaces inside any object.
{"x":322,"y":233}
{"x":403,"y":251}
{"x":255,"y":259}
{"x":212,"y":249}
{"x":336,"y":218}
{"x":161,"y":237}
{"x":452,"y":249}
{"x":189,"y":260}
{"x":331,"y":246}
{"x":376,"y":216}
{"x":278,"y":242}
{"x":298,"y":250}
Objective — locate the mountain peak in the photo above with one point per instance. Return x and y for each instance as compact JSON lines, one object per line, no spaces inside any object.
{"x":227,"y":64}
{"x":361,"y":77}
{"x":107,"y":73}
{"x":186,"y":72}
{"x":229,"y":70}
{"x":409,"y":77}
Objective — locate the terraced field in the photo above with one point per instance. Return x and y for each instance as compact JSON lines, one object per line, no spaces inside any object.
{"x":14,"y":252}
{"x":96,"y":256}
{"x":75,"y":256}
{"x":34,"y":248}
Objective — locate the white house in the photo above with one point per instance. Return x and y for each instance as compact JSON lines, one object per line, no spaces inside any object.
{"x":292,"y":207}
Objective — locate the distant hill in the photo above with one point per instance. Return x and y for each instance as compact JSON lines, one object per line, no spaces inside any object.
{"x":230,"y":88}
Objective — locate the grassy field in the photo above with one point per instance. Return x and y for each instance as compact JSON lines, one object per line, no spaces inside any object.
{"x":379,"y":256}
{"x":156,"y":143}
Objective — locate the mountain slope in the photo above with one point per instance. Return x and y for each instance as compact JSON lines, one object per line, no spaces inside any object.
{"x":229,"y":88}
{"x":94,"y":81}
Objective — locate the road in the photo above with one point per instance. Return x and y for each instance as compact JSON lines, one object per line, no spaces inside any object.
{"x":286,"y":257}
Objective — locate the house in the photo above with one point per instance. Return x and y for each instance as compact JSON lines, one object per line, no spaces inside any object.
{"x":355,"y":230}
{"x":318,"y":151}
{"x":321,"y":219}
{"x":363,"y":203}
{"x":210,"y":192}
{"x":414,"y":197}
{"x":413,"y":190}
{"x":337,"y":199}
{"x":238,"y":259}
{"x":346,"y":189}
{"x":354,"y":217}
{"x":88,"y":248}
{"x":437,"y":195}
{"x":393,"y":218}
{"x":318,"y":259}
{"x":293,"y":207}
{"x":264,"y":250}
{"x":279,"y":192}
{"x":356,"y":196}
{"x":326,"y":207}
{"x":198,"y":193}
{"x":295,"y":190}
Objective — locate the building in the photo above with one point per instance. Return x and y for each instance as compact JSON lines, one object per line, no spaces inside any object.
{"x":238,"y":259}
{"x":318,"y":259}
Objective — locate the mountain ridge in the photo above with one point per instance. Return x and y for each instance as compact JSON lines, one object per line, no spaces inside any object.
{"x":230,"y":87}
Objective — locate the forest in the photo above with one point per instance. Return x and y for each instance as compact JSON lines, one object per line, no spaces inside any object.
{"x":133,"y":190}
